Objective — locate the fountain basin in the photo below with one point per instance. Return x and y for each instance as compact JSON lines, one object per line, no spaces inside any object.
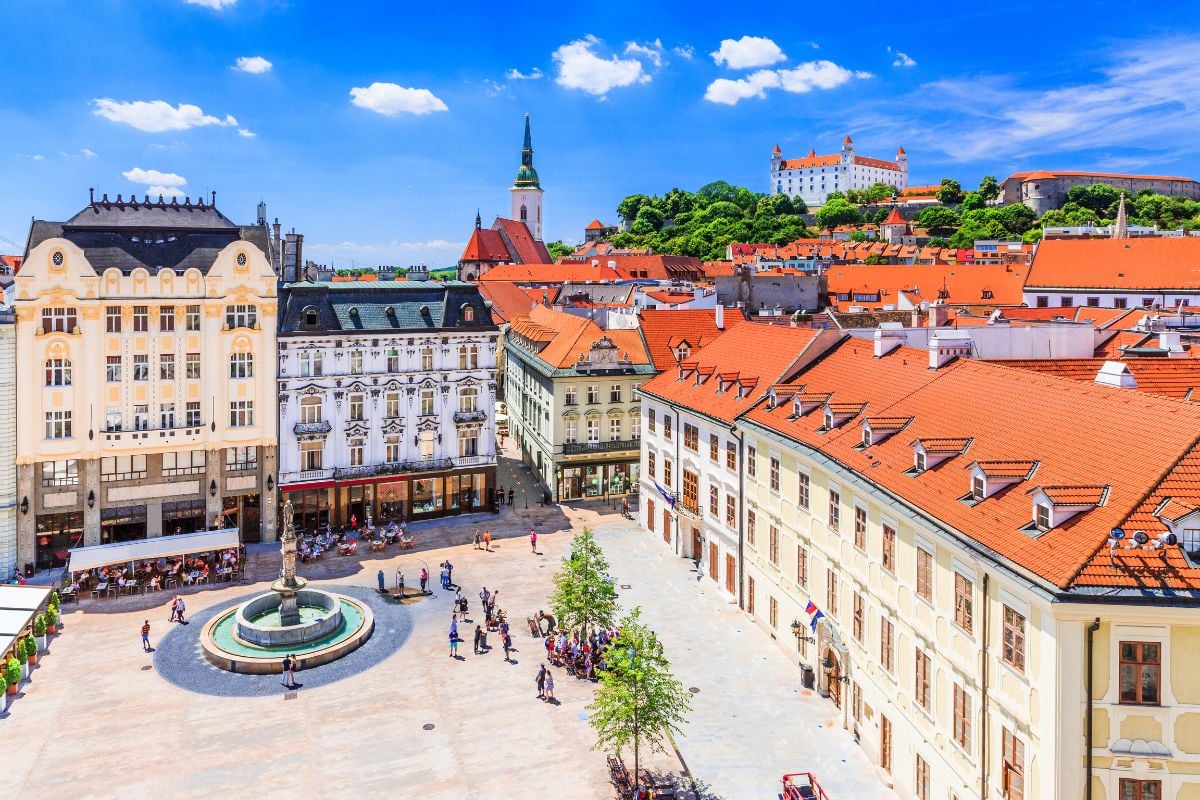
{"x":258,"y":619}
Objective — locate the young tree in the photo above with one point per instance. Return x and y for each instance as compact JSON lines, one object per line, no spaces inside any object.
{"x":584,"y":597}
{"x":950,"y":192}
{"x":638,"y":700}
{"x":989,"y":188}
{"x":557,"y":249}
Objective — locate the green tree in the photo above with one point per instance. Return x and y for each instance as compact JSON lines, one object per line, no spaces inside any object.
{"x":937,"y":241}
{"x":880,"y":192}
{"x":584,"y":597}
{"x":629,"y":207}
{"x":950,"y":192}
{"x":717,"y":190}
{"x":938,"y":218}
{"x":989,"y":188}
{"x":858,"y":236}
{"x":557,"y":250}
{"x":798,"y":205}
{"x":1098,"y":197}
{"x":838,"y":212}
{"x":972,"y":201}
{"x":638,"y":702}
{"x":875,"y":259}
{"x":648,"y":219}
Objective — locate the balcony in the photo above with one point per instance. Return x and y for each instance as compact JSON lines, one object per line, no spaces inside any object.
{"x":361,"y":471}
{"x":304,"y":475}
{"x":473,"y":461}
{"x":581,"y":448}
{"x":395,"y":468}
{"x":470,"y":416}
{"x":310,"y":428}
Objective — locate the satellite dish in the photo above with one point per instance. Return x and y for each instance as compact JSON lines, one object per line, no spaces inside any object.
{"x":1117,"y":533}
{"x":1140,"y":537}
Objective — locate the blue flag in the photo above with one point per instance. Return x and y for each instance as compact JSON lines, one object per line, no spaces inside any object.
{"x":816,"y":617}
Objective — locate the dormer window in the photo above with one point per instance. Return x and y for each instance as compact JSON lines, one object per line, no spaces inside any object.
{"x":866,"y":436}
{"x":828,"y":419}
{"x":311,"y":318}
{"x":1042,"y":516}
{"x":978,"y":487}
{"x":1054,"y":505}
{"x":919,"y":461}
{"x":989,"y":477}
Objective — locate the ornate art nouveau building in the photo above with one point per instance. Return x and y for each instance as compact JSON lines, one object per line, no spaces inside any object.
{"x":146,"y":335}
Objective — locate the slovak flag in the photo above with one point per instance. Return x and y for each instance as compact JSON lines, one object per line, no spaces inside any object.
{"x":811,"y":608}
{"x":667,"y":496}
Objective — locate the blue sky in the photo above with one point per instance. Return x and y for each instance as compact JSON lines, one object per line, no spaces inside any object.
{"x":377,"y":128}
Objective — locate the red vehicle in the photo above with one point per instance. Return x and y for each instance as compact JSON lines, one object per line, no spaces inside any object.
{"x":802,"y":786}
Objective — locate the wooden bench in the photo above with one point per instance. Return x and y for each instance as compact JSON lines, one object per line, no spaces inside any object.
{"x":619,"y":775}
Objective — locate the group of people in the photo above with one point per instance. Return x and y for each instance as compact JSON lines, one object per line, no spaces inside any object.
{"x":501,"y":497}
{"x":582,"y":656}
{"x":494,"y":620}
{"x":186,"y":571}
{"x":345,"y":540}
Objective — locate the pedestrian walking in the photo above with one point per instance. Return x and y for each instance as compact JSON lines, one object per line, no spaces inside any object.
{"x":146,"y":636}
{"x":506,"y":640}
{"x":444,"y":575}
{"x":477,"y":540}
{"x":453,"y":639}
{"x":533,"y":541}
{"x":478,"y":639}
{"x":485,"y":597}
{"x":449,"y":575}
{"x":424,"y":579}
{"x":383,"y":581}
{"x":487,"y":541}
{"x":510,"y":496}
{"x":549,"y":687}
{"x":174,"y":609}
{"x":541,"y":682}
{"x":179,"y":609}
{"x":288,"y":680}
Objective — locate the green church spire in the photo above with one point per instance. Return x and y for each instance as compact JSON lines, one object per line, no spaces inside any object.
{"x":527,"y":177}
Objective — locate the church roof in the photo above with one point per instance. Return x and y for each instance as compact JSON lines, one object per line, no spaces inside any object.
{"x":527,"y":177}
{"x":485,"y":245}
{"x":895,"y":218}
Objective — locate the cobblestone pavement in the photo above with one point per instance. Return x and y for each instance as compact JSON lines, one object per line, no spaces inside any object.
{"x":96,"y":721}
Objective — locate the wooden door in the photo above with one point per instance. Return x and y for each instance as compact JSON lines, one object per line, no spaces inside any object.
{"x":714,"y":563}
{"x":835,"y":679}
{"x":667,"y":525}
{"x":697,"y":547}
{"x":650,"y":515}
{"x":885,"y":743}
{"x":730,"y":574}
{"x":750,"y":595}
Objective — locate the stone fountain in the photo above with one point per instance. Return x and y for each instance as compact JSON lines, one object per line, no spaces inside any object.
{"x":288,"y":585}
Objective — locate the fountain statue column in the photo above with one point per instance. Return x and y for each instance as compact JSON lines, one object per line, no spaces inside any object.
{"x":289,"y":583}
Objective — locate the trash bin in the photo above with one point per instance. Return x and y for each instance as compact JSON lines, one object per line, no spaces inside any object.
{"x":808,"y":678}
{"x":28,"y":570}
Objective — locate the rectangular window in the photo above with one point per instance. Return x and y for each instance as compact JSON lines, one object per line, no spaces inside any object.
{"x":241,"y":365}
{"x":311,"y":365}
{"x":924,"y":574}
{"x":1093,"y":302}
{"x":921,"y":680}
{"x":356,"y":452}
{"x":112,"y":319}
{"x":751,"y":525}
{"x":1120,"y":302}
{"x":166,"y":318}
{"x":191,"y":318}
{"x":860,"y":528}
{"x":885,"y":743}
{"x":649,"y":412}
{"x":730,"y":511}
{"x":569,"y":398}
{"x":651,"y":459}
{"x":858,"y":617}
{"x":60,"y":473}
{"x":691,"y":491}
{"x":1134,"y":789}
{"x":774,"y":551}
{"x":392,"y":361}
{"x":921,"y":787}
{"x":691,"y":436}
{"x":614,"y":394}
{"x":962,"y":718}
{"x":593,"y":395}
{"x":192,"y":366}
{"x":1012,"y":766}
{"x":831,"y":594}
{"x":1043,"y":516}
{"x":886,"y":635}
{"x":750,"y":595}
{"x":427,"y":402}
{"x":141,"y":319}
{"x":593,"y":431}
{"x":468,"y":442}
{"x":666,"y":428}
{"x":1141,"y":665}
{"x":571,"y":432}
{"x":193,"y":414}
{"x":241,"y":413}
{"x":773,"y":609}
{"x":714,"y":502}
{"x":391,"y":404}
{"x":58,"y":424}
{"x":978,"y":487}
{"x":835,"y":510}
{"x":1066,"y":301}
{"x":714,"y":448}
{"x":187,"y":462}
{"x":668,"y":474}
{"x":635,"y":428}
{"x":141,"y":367}
{"x":141,"y":417}
{"x":311,"y":455}
{"x":462,"y":356}
{"x":774,"y":475}
{"x":802,"y":498}
{"x":1014,"y":639}
{"x":391,"y":447}
{"x":122,"y":468}
{"x":802,"y":565}
{"x":166,"y":416}
{"x":356,"y":362}
{"x":856,"y":703}
{"x":888,"y":556}
{"x":241,"y":316}
{"x":166,"y":367}
{"x":964,"y":604}
{"x":356,"y":407}
{"x":58,"y":372}
{"x":752,"y":461}
{"x":426,"y":358}
{"x":731,"y":456}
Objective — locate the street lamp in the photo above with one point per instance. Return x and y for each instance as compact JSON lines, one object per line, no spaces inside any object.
{"x":798,"y":630}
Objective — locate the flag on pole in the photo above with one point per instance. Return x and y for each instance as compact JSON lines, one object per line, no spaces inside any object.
{"x":667,"y":496}
{"x":816,"y":617}
{"x":811,"y":608}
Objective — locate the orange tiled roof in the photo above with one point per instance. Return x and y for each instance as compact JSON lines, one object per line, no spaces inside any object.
{"x":485,"y":245}
{"x":567,"y":336}
{"x":1150,"y":264}
{"x":595,"y":225}
{"x":1044,"y":174}
{"x":662,"y":330}
{"x":508,"y":300}
{"x":1168,"y":377}
{"x":812,"y":160}
{"x":1022,"y":425}
{"x":529,"y":250}
{"x":573,"y":271}
{"x":965,"y":284}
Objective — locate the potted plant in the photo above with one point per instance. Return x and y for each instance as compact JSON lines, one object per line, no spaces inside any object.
{"x":39,"y":627}
{"x":12,"y":674}
{"x":51,"y":619}
{"x":21,"y":656}
{"x":31,"y":649}
{"x":3,"y":688}
{"x":54,"y":601}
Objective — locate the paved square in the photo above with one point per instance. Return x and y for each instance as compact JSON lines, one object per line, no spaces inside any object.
{"x":98,"y":721}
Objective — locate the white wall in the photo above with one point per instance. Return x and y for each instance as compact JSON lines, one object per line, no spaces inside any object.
{"x":1008,"y":341}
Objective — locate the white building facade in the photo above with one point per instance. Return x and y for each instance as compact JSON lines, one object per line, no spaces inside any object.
{"x":813,"y":177}
{"x":8,"y":442}
{"x":386,"y":401}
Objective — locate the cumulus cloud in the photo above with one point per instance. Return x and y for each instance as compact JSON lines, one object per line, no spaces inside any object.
{"x":246,"y":134}
{"x":580,"y":68}
{"x":391,"y":100}
{"x":216,"y":5}
{"x":516,"y":75}
{"x":152,"y":177}
{"x":157,"y":116}
{"x":651,"y":51}
{"x":255,"y":65}
{"x":684,"y":51}
{"x":801,"y":79}
{"x":748,"y":52}
{"x":901,"y":59}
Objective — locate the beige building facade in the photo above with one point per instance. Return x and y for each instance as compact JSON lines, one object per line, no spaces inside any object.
{"x":146,"y":331}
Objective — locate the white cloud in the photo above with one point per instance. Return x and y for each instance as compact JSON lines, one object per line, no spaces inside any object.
{"x":153,"y":177}
{"x":747,"y":52}
{"x":165,"y":191}
{"x":517,"y":75}
{"x":901,"y":59}
{"x":684,"y":51}
{"x":497,"y":89}
{"x":246,"y":134}
{"x":580,"y":68}
{"x":729,"y":92}
{"x":216,"y":5}
{"x":35,"y":156}
{"x":801,"y":79}
{"x":651,"y":51}
{"x":255,"y":65}
{"x":86,"y":153}
{"x":392,"y":100}
{"x":157,"y":116}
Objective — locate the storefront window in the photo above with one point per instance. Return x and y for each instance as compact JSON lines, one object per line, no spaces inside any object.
{"x":427,"y":495}
{"x":393,"y":497}
{"x":358,"y":504}
{"x":122,"y":524}
{"x":593,"y":481}
{"x":310,"y":509}
{"x":56,"y":535}
{"x":570,"y":484}
{"x":182,"y":516}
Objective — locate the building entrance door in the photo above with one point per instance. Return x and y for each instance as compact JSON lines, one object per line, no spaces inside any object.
{"x":667,"y":525}
{"x":714,"y":554}
{"x":730,"y":574}
{"x":697,"y":547}
{"x":833,"y":677}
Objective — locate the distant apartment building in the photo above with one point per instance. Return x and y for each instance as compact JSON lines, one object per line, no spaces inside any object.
{"x":1044,"y":190}
{"x":1139,"y":272}
{"x":387,"y":396}
{"x":813,"y":177}
{"x":147,"y":333}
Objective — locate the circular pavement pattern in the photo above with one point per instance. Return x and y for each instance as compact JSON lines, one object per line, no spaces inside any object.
{"x":179,"y":659}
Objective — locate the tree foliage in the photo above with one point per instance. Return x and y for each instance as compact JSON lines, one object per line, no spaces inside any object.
{"x":557,"y":250}
{"x":639,"y":701}
{"x":838,"y":211}
{"x":989,"y":188}
{"x":950,"y":192}
{"x":584,"y":597}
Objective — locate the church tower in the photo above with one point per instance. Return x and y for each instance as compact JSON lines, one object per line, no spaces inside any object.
{"x":527,"y":190}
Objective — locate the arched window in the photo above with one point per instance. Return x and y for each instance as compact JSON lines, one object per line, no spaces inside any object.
{"x":311,"y":318}
{"x":468,"y":313}
{"x":58,"y":372}
{"x":524,"y":214}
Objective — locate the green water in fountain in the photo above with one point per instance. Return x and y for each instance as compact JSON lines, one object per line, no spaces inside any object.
{"x":270,"y":619}
{"x":223,"y":632}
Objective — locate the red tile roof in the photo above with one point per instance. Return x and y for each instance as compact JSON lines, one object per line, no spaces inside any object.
{"x":485,"y":245}
{"x":965,"y":284}
{"x":1168,"y":377}
{"x":1147,"y":264}
{"x":576,"y":271}
{"x":529,"y":250}
{"x":1045,"y":174}
{"x":595,"y":225}
{"x":508,"y":300}
{"x":895,"y":218}
{"x":567,"y":337}
{"x":664,"y":329}
{"x":1051,"y":431}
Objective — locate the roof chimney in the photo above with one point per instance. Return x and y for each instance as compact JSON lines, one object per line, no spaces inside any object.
{"x":1116,"y":375}
{"x":720,"y":317}
{"x":947,"y":345}
{"x":889,"y":336}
